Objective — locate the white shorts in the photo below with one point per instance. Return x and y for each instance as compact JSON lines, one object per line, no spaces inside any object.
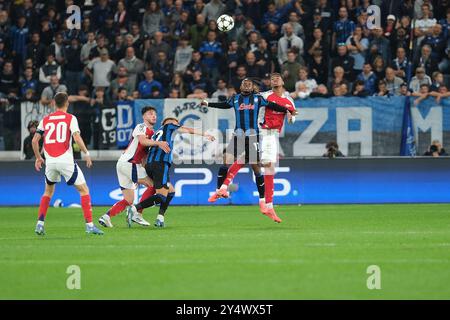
{"x":269,"y":145}
{"x":129,"y":173}
{"x":70,"y":171}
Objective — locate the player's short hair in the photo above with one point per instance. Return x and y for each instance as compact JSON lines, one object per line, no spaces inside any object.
{"x":147,"y":108}
{"x":170,"y":119}
{"x":61,"y":99}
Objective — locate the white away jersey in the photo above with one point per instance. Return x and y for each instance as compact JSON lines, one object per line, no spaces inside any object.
{"x":135,"y":152}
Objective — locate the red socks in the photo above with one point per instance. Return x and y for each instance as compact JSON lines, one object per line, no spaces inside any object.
{"x":268,"y":193}
{"x":232,"y":172}
{"x":43,"y":207}
{"x":147,"y":194}
{"x":118,"y":207}
{"x":87,"y":209}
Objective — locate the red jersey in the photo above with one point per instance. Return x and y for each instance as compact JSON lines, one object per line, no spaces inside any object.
{"x":274,"y":119}
{"x":135,"y":151}
{"x":57,"y":129}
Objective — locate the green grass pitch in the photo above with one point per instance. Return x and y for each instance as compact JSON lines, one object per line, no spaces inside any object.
{"x":221,"y":252}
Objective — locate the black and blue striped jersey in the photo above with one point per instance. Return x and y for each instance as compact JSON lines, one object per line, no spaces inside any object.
{"x":246,"y":109}
{"x":165,"y":133}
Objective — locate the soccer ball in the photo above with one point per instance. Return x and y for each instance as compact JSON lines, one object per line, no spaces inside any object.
{"x":225,"y":23}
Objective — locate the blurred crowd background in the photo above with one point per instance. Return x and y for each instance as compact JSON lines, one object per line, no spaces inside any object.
{"x":132,"y":49}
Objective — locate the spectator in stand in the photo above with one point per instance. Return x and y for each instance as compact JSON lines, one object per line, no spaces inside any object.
{"x":163,"y":69}
{"x":369,"y":79}
{"x":198,"y":32}
{"x":158,"y":45}
{"x":36,"y":50}
{"x":83,"y":109}
{"x":146,"y":86}
{"x":27,"y":147}
{"x":222,"y":92}
{"x":419,"y":79}
{"x":343,"y":28}
{"x":98,"y":48}
{"x":50,"y":91}
{"x":319,"y":67}
{"x":437,"y":81}
{"x":290,"y":70}
{"x":121,"y":81}
{"x":49,"y":69}
{"x":28,"y":83}
{"x":74,"y":67}
{"x":99,"y":70}
{"x":212,"y":53}
{"x":199,"y":82}
{"x":305,"y":85}
{"x":121,"y":18}
{"x":359,"y":89}
{"x":424,"y":25}
{"x":357,"y":45}
{"x":241,"y":74}
{"x":345,"y":61}
{"x":213,"y":9}
{"x":8,"y":78}
{"x":380,"y":46}
{"x":393,"y":82}
{"x":18,"y":38}
{"x":183,"y":55}
{"x":99,"y":14}
{"x":436,"y":150}
{"x":382,"y":89}
{"x":133,"y":65}
{"x":288,"y":42}
{"x":196,"y":64}
{"x":58,"y":49}
{"x":272,"y":15}
{"x":321,"y":92}
{"x":253,"y":69}
{"x":198,"y":93}
{"x":178,"y":84}
{"x":436,"y":42}
{"x":234,"y":57}
{"x":379,"y":67}
{"x":87,"y":47}
{"x":426,"y":61}
{"x":400,"y":64}
{"x":422,"y":94}
{"x":338,"y":79}
{"x":264,"y":57}
{"x":153,"y":18}
{"x":296,"y":26}
{"x":318,"y":42}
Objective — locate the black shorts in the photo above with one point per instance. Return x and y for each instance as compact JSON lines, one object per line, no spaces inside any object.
{"x":244,"y":148}
{"x":159,"y":173}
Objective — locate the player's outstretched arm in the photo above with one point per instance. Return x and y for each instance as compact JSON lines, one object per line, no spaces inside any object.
{"x":218,"y":105}
{"x":77,"y":138}
{"x":143,"y":140}
{"x":278,"y":108}
{"x":197,"y":132}
{"x":35,"y":145}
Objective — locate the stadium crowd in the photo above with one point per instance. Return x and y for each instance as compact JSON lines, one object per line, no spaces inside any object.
{"x":129,"y":49}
